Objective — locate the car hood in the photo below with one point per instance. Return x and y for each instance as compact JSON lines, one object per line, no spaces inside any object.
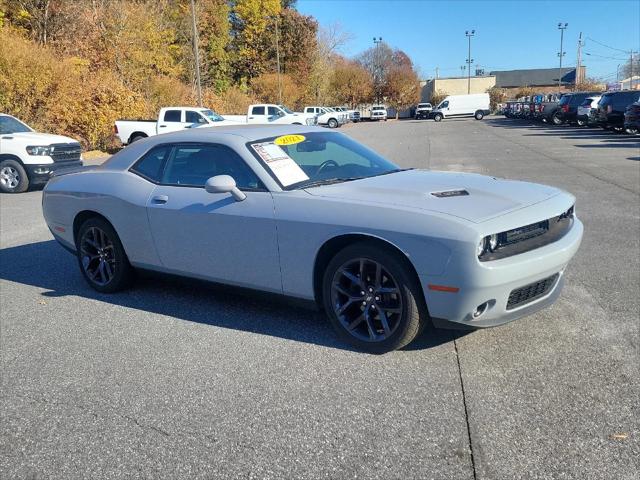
{"x":488,"y":197}
{"x":40,"y":138}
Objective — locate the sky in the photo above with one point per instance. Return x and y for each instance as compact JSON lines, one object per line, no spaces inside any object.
{"x":509,"y":34}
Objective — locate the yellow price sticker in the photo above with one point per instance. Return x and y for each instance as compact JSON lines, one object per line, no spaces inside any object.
{"x":289,"y":139}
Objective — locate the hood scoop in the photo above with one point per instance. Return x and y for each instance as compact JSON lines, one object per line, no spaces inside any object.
{"x":450,"y":193}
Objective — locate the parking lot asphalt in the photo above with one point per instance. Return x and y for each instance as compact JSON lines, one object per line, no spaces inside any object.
{"x":182,"y":379}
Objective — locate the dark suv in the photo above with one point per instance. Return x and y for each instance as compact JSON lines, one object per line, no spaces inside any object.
{"x":611,"y":108}
{"x":568,"y":107}
{"x":632,"y":119}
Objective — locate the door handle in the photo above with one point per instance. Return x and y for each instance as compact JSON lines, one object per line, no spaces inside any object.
{"x":250,"y":118}
{"x":159,"y":199}
{"x":162,"y":126}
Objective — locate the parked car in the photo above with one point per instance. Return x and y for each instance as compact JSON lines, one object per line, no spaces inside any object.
{"x":354,"y":115}
{"x":632,"y":118}
{"x":549,"y":109}
{"x":28,"y":158}
{"x":587,"y":109}
{"x":423,"y":110}
{"x":475,"y":105}
{"x":378,"y":112}
{"x":327,"y":116}
{"x":568,"y":106}
{"x":169,"y":119}
{"x":280,"y":209}
{"x":612,"y":106}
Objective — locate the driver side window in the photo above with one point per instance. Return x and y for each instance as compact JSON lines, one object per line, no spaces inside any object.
{"x":192,"y":165}
{"x":445,"y":104}
{"x":272,"y":111}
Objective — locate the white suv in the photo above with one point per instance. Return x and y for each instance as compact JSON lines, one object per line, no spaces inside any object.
{"x":379,"y":112}
{"x":29,"y":158}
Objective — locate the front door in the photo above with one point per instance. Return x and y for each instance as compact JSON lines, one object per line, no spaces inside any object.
{"x":213,"y":236}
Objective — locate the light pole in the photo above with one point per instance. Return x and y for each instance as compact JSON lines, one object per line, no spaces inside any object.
{"x":469,"y":34}
{"x":377,"y":67}
{"x":561,"y":54}
{"x":462,"y":69}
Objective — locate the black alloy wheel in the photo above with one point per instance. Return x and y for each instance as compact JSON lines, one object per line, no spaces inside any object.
{"x":101,"y":256}
{"x":371,"y":298}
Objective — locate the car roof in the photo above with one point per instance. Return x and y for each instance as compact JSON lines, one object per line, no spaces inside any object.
{"x":250,"y":132}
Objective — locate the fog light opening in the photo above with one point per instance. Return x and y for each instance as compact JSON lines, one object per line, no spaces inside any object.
{"x":41,"y":171}
{"x":481,"y":309}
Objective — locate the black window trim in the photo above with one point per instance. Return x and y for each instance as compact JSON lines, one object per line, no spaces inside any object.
{"x":172,"y":148}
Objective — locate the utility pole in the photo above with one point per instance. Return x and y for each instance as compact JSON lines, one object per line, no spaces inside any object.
{"x":469,"y":34}
{"x":579,"y":78}
{"x":195,"y":51}
{"x":561,"y":54}
{"x":377,"y":78}
{"x":278,"y":65}
{"x":632,"y":70}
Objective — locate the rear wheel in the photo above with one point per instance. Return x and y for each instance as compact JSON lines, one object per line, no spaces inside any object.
{"x":136,"y":137}
{"x":372,"y":299}
{"x":102,"y":259}
{"x":13,"y":177}
{"x":631,"y":130}
{"x":556,"y":119}
{"x":479,"y":115}
{"x":437,"y":117}
{"x":581,"y":122}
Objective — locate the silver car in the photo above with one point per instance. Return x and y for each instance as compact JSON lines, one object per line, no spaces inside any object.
{"x":310,"y":213}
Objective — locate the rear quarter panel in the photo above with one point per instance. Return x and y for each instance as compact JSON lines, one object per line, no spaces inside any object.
{"x":118,"y":196}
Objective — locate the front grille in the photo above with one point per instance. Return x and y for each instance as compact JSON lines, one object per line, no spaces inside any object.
{"x":531,"y":292}
{"x":524,"y":233}
{"x":66,"y":152}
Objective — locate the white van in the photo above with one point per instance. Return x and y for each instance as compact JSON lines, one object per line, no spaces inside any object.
{"x":474,"y":105}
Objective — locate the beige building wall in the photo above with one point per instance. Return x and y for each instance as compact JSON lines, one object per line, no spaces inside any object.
{"x":456,"y":86}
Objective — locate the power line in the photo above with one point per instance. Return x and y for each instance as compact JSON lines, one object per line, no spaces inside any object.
{"x":603,"y":56}
{"x":607,"y":46}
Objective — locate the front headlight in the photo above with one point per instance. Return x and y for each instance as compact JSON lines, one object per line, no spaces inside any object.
{"x":481,"y":248}
{"x":39,"y":150}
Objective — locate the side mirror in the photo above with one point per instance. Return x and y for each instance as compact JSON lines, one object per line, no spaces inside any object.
{"x":224,"y":184}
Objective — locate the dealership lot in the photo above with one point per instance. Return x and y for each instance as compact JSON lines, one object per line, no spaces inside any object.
{"x":177,"y":378}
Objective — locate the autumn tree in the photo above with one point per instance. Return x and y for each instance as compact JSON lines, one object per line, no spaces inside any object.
{"x":267,"y":87}
{"x":351,"y":84}
{"x":377,"y":60}
{"x":401,"y":87}
{"x":251,"y":36}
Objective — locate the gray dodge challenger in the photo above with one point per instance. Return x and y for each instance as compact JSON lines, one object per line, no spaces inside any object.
{"x":312,"y":214}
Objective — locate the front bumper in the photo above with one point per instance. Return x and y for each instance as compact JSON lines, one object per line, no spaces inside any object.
{"x":41,"y":173}
{"x":491,"y":283}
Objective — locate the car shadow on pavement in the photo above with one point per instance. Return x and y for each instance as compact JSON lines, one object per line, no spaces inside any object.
{"x":46,"y":265}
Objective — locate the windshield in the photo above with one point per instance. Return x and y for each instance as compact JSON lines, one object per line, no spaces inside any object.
{"x":211,"y":115}
{"x":377,"y":108}
{"x":285,"y":109}
{"x":316,"y":158}
{"x":12,"y":125}
{"x":424,"y":105}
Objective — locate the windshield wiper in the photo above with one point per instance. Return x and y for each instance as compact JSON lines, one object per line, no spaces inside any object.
{"x":327,"y":181}
{"x":393,"y":171}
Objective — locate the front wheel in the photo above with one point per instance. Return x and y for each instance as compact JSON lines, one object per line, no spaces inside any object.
{"x":13,"y":177}
{"x":103,"y":261}
{"x":437,"y":117}
{"x":581,"y":122}
{"x":333,"y":123}
{"x":479,"y":115}
{"x":631,"y":130}
{"x":556,"y":119}
{"x":372,"y":299}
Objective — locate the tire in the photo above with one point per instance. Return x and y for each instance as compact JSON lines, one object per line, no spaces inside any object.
{"x":437,"y":117}
{"x":98,"y":239}
{"x":332,"y":123}
{"x":479,"y":115}
{"x":135,"y":138}
{"x":13,"y":177}
{"x":556,"y":120}
{"x":296,"y":123}
{"x":396,"y":294}
{"x":631,"y":130}
{"x":581,"y":122}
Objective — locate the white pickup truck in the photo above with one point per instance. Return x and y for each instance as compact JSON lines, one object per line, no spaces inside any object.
{"x":29,"y":158}
{"x":170,"y":119}
{"x":328,"y":116}
{"x":269,"y":113}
